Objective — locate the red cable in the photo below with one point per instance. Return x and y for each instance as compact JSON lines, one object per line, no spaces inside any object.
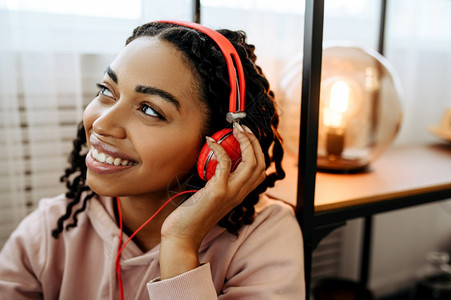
{"x":118,"y":256}
{"x":120,"y":248}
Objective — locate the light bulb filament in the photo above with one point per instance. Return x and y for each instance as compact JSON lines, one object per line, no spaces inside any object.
{"x":338,"y":105}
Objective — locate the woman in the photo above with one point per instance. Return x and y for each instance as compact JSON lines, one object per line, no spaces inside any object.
{"x":162,"y":97}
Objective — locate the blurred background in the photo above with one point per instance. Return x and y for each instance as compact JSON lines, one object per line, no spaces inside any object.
{"x":53,"y":52}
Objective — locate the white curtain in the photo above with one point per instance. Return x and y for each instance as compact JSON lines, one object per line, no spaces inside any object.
{"x":419,"y":47}
{"x":12,"y":192}
{"x":41,"y":102}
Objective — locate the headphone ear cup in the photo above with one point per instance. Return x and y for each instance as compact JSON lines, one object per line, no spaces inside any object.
{"x":206,"y":165}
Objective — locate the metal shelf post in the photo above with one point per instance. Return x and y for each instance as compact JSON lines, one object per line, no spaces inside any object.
{"x":308,"y":139}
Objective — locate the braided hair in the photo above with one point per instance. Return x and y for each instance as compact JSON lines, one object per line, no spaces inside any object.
{"x":208,"y":65}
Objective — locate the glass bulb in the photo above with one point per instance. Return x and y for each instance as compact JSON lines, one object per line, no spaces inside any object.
{"x":360,"y":110}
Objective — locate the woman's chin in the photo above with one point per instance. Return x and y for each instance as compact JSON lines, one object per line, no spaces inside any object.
{"x":98,"y":187}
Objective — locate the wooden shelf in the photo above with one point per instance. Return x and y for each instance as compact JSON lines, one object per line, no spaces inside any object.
{"x":400,"y":173}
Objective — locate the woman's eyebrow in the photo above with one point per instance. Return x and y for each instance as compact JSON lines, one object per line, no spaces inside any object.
{"x":155,"y":91}
{"x":111,"y":73}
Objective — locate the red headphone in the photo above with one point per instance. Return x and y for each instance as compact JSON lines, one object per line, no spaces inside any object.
{"x":206,"y":165}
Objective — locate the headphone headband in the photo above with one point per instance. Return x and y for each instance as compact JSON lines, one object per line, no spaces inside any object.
{"x":234,"y":67}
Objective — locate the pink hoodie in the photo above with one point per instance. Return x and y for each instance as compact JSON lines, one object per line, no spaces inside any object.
{"x":264,"y":262}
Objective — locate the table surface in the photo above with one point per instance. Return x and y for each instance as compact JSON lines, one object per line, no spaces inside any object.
{"x":401,"y":171}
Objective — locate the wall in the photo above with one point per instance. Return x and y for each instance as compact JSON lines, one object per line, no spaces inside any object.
{"x":401,"y":241}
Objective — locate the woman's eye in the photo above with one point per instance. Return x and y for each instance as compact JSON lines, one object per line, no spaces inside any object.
{"x":148,"y":110}
{"x":103,"y":90}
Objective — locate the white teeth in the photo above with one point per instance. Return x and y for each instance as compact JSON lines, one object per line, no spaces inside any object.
{"x":95,"y":153}
{"x":109,"y":160}
{"x":104,"y":158}
{"x":101,"y":157}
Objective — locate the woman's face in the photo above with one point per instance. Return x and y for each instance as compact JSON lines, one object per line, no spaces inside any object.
{"x":144,"y":128}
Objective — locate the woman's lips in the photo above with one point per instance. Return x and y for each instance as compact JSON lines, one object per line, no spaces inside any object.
{"x":107,"y":149}
{"x":104,"y":167}
{"x":110,"y":160}
{"x":104,"y":159}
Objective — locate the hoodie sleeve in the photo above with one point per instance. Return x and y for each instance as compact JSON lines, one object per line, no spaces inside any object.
{"x":267,"y":263}
{"x":192,"y":285}
{"x":22,"y":259}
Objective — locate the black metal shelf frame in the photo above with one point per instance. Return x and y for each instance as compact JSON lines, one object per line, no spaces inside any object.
{"x":308,"y":135}
{"x":316,"y":226}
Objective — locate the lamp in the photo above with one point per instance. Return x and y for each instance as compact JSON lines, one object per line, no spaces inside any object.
{"x":360,"y":112}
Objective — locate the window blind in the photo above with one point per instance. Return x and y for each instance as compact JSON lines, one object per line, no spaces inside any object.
{"x":42,"y":100}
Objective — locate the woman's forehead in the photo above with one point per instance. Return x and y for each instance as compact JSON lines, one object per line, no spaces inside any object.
{"x":148,"y":61}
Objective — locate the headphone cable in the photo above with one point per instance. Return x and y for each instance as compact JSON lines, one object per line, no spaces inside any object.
{"x":121,"y":247}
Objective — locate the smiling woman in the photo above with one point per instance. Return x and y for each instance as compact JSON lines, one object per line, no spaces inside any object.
{"x":164,"y":95}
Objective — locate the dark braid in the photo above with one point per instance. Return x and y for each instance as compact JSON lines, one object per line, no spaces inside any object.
{"x":263,"y":120}
{"x":75,"y":179}
{"x":209,"y":68}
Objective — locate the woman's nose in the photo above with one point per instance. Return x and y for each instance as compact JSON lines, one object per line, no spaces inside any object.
{"x":111,"y":122}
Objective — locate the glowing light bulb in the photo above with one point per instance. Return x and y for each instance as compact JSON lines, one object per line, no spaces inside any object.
{"x":338,"y":105}
{"x":339,"y":96}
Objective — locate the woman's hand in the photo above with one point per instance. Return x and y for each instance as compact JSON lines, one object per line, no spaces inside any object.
{"x":185,"y":228}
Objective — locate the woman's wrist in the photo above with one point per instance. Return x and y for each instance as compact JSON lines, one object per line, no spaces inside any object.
{"x":177,"y":257}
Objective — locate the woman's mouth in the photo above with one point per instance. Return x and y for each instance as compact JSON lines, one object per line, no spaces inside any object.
{"x":103,"y":163}
{"x":110,"y":160}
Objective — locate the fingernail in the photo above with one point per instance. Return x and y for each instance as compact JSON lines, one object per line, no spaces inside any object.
{"x":238,"y":126}
{"x":247,"y":129}
{"x":210,"y":139}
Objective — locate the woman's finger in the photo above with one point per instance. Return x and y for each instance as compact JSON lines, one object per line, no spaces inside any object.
{"x":258,"y":152}
{"x":252,"y":166}
{"x":224,"y":162}
{"x":246,"y":147}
